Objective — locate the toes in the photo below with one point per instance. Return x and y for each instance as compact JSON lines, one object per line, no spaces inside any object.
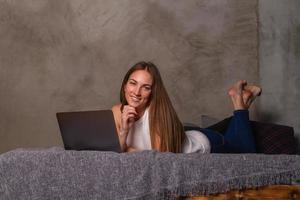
{"x":240,"y":86}
{"x":258,"y":91}
{"x":255,"y":90}
{"x":237,"y":88}
{"x":242,"y":95}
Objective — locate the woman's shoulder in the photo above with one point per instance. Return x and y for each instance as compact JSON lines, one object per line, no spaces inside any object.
{"x":116,"y":108}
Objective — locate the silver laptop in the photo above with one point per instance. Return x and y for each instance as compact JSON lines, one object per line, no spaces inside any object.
{"x":89,"y":130}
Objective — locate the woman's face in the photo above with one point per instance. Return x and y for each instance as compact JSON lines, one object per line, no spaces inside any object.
{"x":138,"y":89}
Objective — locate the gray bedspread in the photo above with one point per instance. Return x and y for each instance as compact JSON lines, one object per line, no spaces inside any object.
{"x":58,"y":174}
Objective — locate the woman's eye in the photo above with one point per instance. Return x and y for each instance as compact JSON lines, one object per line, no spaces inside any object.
{"x":147,"y":88}
{"x":132,"y":83}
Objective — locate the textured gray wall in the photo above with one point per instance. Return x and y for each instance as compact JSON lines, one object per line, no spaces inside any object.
{"x":66,"y":55}
{"x":280,"y":62}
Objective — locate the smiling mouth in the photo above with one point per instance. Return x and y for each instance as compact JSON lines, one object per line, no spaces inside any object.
{"x":134,"y":99}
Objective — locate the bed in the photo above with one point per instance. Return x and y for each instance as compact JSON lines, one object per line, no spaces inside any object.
{"x":55,"y":173}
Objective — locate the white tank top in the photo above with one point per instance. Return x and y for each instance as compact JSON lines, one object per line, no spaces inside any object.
{"x":139,"y":137}
{"x":139,"y":134}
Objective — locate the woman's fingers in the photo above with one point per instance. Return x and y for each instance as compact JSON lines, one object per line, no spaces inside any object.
{"x":129,"y":109}
{"x":129,"y":115}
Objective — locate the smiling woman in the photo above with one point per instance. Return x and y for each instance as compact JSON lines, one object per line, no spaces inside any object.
{"x":145,"y":118}
{"x":145,"y":110}
{"x":138,"y":90}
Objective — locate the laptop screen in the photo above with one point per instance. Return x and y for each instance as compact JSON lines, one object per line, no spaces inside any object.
{"x":89,"y":130}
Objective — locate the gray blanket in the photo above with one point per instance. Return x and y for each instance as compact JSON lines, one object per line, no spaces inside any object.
{"x":58,"y":174}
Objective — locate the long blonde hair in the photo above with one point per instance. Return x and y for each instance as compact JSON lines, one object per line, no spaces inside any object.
{"x":163,"y":119}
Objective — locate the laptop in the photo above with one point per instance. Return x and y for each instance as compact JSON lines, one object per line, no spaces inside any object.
{"x":89,"y":130}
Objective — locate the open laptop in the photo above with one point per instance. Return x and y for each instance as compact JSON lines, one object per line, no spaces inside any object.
{"x":89,"y":130}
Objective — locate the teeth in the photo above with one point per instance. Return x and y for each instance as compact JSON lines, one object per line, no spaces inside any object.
{"x":134,"y":99}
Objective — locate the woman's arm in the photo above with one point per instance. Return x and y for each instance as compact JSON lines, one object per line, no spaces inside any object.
{"x":124,"y":121}
{"x":121,"y":135}
{"x":131,"y":149}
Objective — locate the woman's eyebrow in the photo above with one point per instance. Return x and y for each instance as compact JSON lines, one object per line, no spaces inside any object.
{"x":132,"y":80}
{"x":146,"y":84}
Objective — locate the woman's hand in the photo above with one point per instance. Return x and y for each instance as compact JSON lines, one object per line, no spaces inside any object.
{"x":128,"y":117}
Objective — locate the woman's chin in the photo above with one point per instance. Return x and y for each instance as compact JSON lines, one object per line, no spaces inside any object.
{"x":134,"y":104}
{"x":137,"y":106}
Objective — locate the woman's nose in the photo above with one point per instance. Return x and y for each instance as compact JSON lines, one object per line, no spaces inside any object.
{"x":137,"y":91}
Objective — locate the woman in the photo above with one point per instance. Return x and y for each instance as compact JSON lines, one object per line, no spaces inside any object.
{"x":145,"y":118}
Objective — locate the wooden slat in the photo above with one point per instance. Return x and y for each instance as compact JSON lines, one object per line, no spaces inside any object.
{"x":274,"y":192}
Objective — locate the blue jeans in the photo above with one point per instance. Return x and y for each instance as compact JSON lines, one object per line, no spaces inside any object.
{"x":238,"y":137}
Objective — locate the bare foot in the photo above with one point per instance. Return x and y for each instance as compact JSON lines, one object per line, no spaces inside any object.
{"x":236,"y":93}
{"x":251,"y":92}
{"x":242,"y":95}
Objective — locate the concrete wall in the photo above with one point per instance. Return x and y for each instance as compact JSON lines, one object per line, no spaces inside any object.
{"x":66,"y":55}
{"x":279,"y":61}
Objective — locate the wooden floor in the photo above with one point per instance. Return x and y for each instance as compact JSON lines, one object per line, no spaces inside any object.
{"x":274,"y":192}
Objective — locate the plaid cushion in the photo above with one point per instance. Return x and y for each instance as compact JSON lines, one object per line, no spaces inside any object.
{"x":269,"y":138}
{"x":274,"y":138}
